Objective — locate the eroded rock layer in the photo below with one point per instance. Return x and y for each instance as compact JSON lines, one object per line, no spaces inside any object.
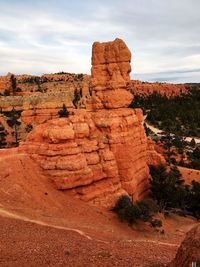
{"x":98,"y":156}
{"x":164,"y":89}
{"x":101,"y":152}
{"x":110,"y":75}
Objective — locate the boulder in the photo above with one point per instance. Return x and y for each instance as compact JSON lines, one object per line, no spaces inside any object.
{"x":189,"y":251}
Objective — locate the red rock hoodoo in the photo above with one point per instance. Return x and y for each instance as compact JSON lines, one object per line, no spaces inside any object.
{"x":100,"y":152}
{"x":110,"y":74}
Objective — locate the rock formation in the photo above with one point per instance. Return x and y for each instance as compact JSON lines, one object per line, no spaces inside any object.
{"x":189,"y":250}
{"x":30,"y":111}
{"x":164,"y":89}
{"x":39,"y":98}
{"x":5,"y":83}
{"x":110,"y":74}
{"x":153,"y":156}
{"x":29,"y":84}
{"x":99,"y":153}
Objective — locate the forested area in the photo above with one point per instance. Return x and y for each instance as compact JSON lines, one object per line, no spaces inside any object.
{"x":180,"y":114}
{"x":178,"y":117}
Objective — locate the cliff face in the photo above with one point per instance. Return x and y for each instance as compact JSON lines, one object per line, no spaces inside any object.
{"x":36,"y":100}
{"x":164,"y":89}
{"x":20,"y":114}
{"x":101,"y":152}
{"x":29,"y":84}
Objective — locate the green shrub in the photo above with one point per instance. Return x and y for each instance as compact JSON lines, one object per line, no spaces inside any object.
{"x":63,"y":112}
{"x":166,"y":187}
{"x":193,"y":199}
{"x":7,"y":92}
{"x":130,"y":212}
{"x":123,"y":202}
{"x":29,"y":128}
{"x":171,"y":194}
{"x":147,"y":208}
{"x":156,"y":223}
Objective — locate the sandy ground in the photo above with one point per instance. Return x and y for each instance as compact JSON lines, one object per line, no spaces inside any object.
{"x":190,"y":174}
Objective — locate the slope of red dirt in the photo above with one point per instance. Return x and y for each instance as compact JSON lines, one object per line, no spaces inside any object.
{"x":37,"y":245}
{"x":190,"y":174}
{"x":41,"y":226}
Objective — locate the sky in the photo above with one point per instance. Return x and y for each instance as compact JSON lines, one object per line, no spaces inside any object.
{"x":49,"y":36}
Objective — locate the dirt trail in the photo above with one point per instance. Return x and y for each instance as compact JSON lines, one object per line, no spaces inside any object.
{"x":19,"y":217}
{"x":37,"y":245}
{"x":9,"y":214}
{"x":158,"y":132}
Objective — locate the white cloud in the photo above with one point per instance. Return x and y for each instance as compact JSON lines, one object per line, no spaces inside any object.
{"x":48,"y":36}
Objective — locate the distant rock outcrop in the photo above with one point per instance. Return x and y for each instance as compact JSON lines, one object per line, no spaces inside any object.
{"x":188,"y":253}
{"x":164,"y":89}
{"x":153,"y":156}
{"x":58,"y":82}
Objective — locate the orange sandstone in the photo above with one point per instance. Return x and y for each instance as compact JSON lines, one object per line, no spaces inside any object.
{"x":100,"y":153}
{"x":189,"y":250}
{"x":164,"y":89}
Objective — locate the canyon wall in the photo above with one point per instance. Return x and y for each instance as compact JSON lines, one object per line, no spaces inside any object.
{"x":100,"y":152}
{"x":20,"y":114}
{"x":30,"y":84}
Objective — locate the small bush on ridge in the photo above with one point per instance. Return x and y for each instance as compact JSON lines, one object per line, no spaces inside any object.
{"x":130,"y":212}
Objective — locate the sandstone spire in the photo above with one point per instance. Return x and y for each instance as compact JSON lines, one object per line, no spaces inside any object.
{"x":110,"y":74}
